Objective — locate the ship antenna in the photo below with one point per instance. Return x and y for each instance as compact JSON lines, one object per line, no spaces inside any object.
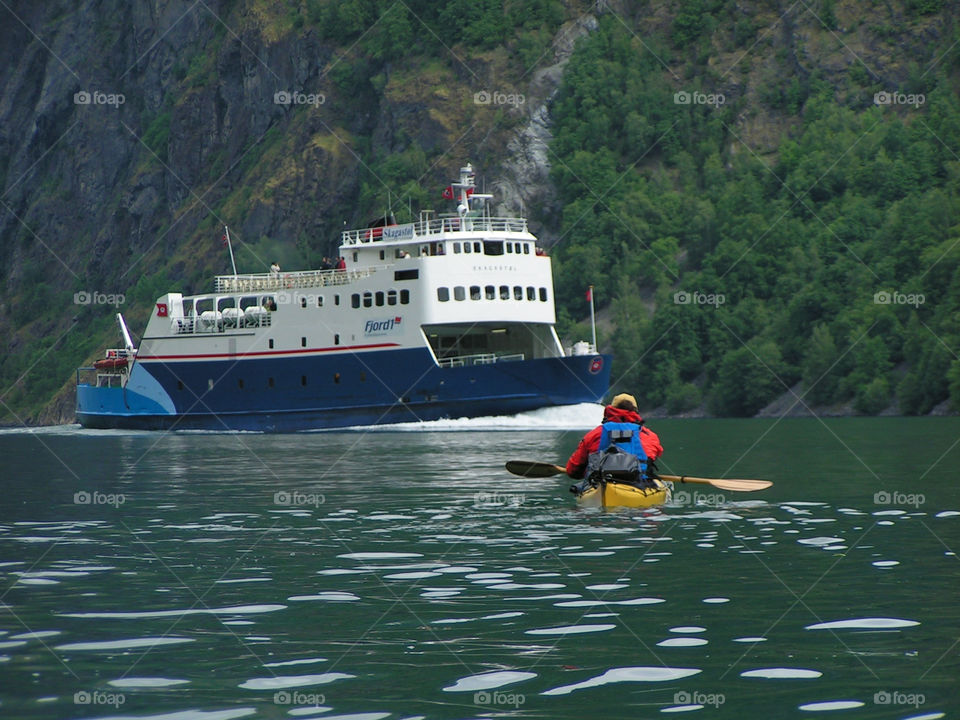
{"x":226,"y":235}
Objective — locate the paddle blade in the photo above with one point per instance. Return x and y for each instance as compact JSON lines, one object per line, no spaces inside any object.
{"x":741,"y":485}
{"x":530,"y":469}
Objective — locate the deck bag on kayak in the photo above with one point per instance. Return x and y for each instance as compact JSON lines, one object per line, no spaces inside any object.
{"x":612,"y":465}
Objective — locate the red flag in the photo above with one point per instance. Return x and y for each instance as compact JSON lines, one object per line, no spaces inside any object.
{"x":590,"y":294}
{"x":224,"y":240}
{"x":447,"y":193}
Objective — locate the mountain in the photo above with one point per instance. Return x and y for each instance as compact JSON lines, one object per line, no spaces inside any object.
{"x":774,"y":155}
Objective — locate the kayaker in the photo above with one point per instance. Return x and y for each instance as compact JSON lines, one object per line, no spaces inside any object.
{"x":622,"y":409}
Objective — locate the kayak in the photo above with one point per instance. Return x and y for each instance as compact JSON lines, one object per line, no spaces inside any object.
{"x":614,"y":494}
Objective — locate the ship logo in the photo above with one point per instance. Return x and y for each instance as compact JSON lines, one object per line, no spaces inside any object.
{"x":161,"y":310}
{"x":382,"y":327}
{"x":596,"y":365}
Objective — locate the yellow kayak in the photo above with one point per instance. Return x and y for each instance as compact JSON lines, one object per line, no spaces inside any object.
{"x":614,"y":494}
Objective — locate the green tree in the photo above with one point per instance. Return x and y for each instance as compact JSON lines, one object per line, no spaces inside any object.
{"x":747,"y":379}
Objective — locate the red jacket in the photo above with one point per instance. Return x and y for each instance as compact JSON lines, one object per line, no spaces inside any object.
{"x":577,"y":464}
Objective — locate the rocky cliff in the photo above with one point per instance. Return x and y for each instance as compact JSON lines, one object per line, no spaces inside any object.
{"x":132,"y":132}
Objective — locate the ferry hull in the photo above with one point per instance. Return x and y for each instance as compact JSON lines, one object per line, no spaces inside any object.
{"x":343,"y":390}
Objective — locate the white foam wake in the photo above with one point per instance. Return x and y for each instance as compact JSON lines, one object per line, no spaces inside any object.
{"x":567,"y":417}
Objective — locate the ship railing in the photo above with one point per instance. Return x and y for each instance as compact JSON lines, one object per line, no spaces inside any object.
{"x":435,"y":226}
{"x":99,"y":378}
{"x":478,"y":359}
{"x":212,"y":321}
{"x":258,"y":282}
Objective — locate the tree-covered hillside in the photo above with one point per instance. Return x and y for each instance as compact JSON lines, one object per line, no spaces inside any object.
{"x":828,"y":262}
{"x":764,"y":194}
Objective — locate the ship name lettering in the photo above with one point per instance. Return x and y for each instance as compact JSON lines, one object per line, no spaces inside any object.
{"x":494,"y":268}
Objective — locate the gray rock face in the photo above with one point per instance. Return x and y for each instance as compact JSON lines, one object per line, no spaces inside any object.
{"x":525,"y":180}
{"x":132,"y":131}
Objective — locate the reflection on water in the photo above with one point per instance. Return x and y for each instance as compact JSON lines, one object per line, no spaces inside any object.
{"x":393,"y":574}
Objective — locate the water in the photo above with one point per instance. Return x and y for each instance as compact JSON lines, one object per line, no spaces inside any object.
{"x":405,"y":574}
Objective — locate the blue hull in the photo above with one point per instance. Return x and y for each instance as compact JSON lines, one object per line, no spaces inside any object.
{"x":319,"y":392}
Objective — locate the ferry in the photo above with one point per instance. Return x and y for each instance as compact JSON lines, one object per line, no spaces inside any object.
{"x":450,"y":316}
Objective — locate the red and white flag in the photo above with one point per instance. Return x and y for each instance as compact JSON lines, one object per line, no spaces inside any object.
{"x":590,"y":294}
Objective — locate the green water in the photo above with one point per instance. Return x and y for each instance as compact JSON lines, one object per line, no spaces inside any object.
{"x":406,"y":574}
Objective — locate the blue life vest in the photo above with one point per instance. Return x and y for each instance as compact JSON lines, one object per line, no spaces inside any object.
{"x":625,"y":436}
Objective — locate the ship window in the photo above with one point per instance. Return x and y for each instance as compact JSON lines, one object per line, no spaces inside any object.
{"x":336,"y":299}
{"x":303,"y":302}
{"x":270,"y":382}
{"x":336,"y":338}
{"x":474,"y":292}
{"x":368,"y":299}
{"x":391,"y":297}
{"x":456,"y":248}
{"x":303,"y":342}
{"x":270,"y":343}
{"x":319,"y":300}
{"x":526,"y":248}
{"x":491,"y":292}
{"x":379,"y":298}
{"x":504,"y":292}
{"x":466,"y":247}
{"x":355,"y":300}
{"x":531,"y":293}
{"x":517,"y":292}
{"x":459,"y":293}
{"x":240,"y":383}
{"x":406,"y":274}
{"x":354,"y":255}
{"x":404,"y":297}
{"x":303,"y":380}
{"x":509,"y":248}
{"x":443,"y":294}
{"x":382,"y":256}
{"x":543,"y":294}
{"x":476,"y":246}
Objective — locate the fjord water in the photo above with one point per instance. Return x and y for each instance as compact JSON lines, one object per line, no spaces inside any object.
{"x":398,"y":574}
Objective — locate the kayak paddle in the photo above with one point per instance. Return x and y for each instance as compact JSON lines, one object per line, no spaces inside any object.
{"x":532,"y":469}
{"x":524,"y":468}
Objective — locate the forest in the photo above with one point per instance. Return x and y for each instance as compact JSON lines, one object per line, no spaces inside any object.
{"x":828,"y":267}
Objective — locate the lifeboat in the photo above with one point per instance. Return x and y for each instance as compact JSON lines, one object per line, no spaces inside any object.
{"x":110,"y":363}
